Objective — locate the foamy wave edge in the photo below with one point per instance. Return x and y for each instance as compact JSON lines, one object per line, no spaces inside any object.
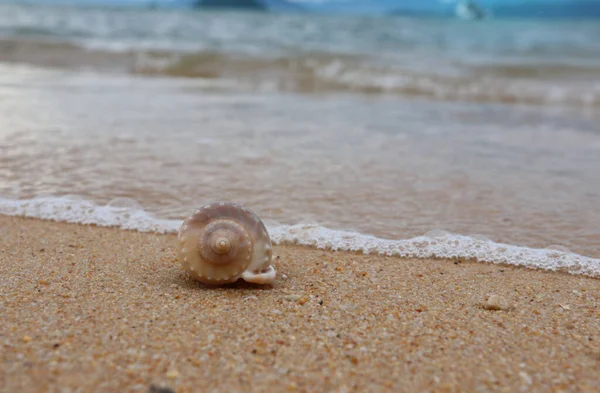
{"x":131,"y":216}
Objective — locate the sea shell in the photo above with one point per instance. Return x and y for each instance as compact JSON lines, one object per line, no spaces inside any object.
{"x":222,"y":242}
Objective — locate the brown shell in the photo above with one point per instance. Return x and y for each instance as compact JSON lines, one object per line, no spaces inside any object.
{"x":219,"y":241}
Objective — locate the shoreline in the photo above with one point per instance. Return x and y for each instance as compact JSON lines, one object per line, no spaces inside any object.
{"x":439,"y":245}
{"x":103,"y":309}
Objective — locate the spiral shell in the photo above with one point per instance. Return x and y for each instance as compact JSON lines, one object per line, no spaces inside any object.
{"x":222,"y":242}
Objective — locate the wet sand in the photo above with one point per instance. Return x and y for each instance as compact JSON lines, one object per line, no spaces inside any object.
{"x":91,"y":309}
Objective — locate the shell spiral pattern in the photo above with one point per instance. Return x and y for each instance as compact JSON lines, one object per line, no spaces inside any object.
{"x":222,"y":242}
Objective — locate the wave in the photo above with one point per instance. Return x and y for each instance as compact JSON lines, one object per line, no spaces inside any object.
{"x":127,"y":214}
{"x":322,"y":73}
{"x":522,"y":83}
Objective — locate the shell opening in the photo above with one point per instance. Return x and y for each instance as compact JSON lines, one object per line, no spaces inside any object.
{"x":263,"y":276}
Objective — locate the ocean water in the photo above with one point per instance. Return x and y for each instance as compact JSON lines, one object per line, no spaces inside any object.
{"x":407,"y":137}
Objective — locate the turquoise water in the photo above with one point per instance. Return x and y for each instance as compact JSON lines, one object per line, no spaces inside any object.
{"x":555,"y":9}
{"x":534,"y":61}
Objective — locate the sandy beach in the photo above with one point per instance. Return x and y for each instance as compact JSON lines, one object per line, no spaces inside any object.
{"x":89,"y":309}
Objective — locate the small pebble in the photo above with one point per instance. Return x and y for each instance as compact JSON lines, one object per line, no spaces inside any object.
{"x":172,"y":374}
{"x":526,"y":378}
{"x":293,"y":298}
{"x":26,"y":339}
{"x":156,"y":389}
{"x":495,"y":302}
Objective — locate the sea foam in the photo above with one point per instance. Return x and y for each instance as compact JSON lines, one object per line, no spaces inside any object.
{"x":127,"y":214}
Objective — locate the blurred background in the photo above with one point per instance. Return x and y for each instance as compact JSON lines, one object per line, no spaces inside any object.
{"x":530,"y":51}
{"x":390,"y":118}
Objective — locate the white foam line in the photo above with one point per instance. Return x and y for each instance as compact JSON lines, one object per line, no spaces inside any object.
{"x":126,"y":214}
{"x":81,"y":211}
{"x":449,"y":246}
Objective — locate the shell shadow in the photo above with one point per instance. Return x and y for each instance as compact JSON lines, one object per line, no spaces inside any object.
{"x":166,"y":278}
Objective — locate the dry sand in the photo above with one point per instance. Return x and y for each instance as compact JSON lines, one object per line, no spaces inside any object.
{"x":87,"y":309}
